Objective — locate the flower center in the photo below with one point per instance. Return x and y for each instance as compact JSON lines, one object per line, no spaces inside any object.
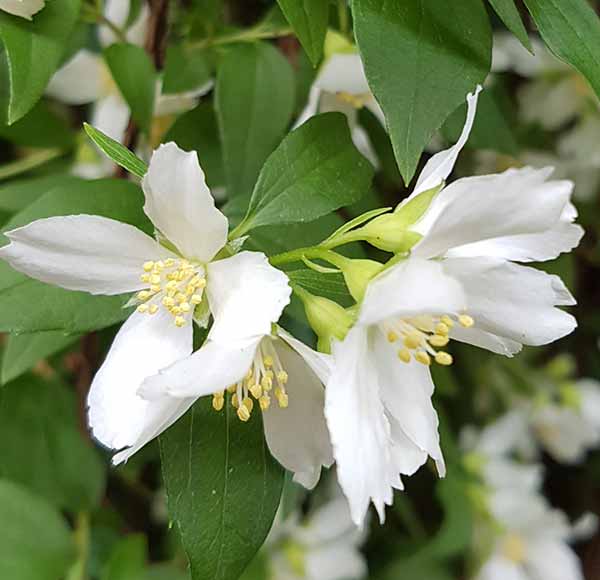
{"x":514,"y":548}
{"x":265,"y":378}
{"x":177,"y":285}
{"x":356,"y":101}
{"x":422,"y":335}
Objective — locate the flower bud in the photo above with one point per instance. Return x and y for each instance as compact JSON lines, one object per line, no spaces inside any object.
{"x":389,"y":233}
{"x":358,"y":274}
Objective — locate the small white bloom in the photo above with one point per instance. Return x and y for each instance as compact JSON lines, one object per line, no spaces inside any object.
{"x":104,"y":256}
{"x":23,"y":8}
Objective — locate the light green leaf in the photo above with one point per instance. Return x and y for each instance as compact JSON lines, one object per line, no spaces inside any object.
{"x":34,"y":51}
{"x":314,"y":171}
{"x":30,"y":306}
{"x":23,"y":352}
{"x":571,"y":29}
{"x":254,"y":101}
{"x":17,"y":195}
{"x":135,"y":76}
{"x":42,"y":446}
{"x":35,"y":543}
{"x":509,"y":14}
{"x":128,"y":560}
{"x":223,"y":488}
{"x":117,"y":152}
{"x":309,"y":20}
{"x":421,"y":58}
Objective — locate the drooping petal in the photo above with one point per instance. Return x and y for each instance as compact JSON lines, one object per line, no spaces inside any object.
{"x":410,"y":288}
{"x":180,"y":205}
{"x":111,"y":116}
{"x":513,"y":301}
{"x":82,"y":252}
{"x":23,"y":8}
{"x":504,"y":213}
{"x":359,"y":429}
{"x":297,"y":435}
{"x":343,"y":73}
{"x":439,"y":167}
{"x":246,"y":295}
{"x":406,"y":391}
{"x":79,"y":81}
{"x":500,"y":568}
{"x":482,"y":339}
{"x":552,"y":560}
{"x":119,"y":418}
{"x":213,"y":367}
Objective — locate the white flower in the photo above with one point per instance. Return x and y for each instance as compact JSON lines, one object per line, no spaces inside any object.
{"x":457,"y":283}
{"x":533,"y":543}
{"x":24,"y":8}
{"x":341,"y":85}
{"x":104,"y":256}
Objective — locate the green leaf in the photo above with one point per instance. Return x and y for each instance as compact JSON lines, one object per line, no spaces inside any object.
{"x":330,"y":286}
{"x":128,"y":560}
{"x":117,"y":152}
{"x":509,"y":14}
{"x":314,"y":171}
{"x":223,"y":488}
{"x":34,"y":51}
{"x":254,"y":100}
{"x":17,"y":195}
{"x":27,"y":305}
{"x":35,"y":543}
{"x":309,"y":20}
{"x":571,"y":29}
{"x":22,"y":352}
{"x":421,"y":58}
{"x":135,"y":76}
{"x":185,"y":69}
{"x":42,"y":446}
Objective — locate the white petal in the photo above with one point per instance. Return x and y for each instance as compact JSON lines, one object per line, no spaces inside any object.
{"x":505,"y":210}
{"x":502,"y":436}
{"x":512,"y":301}
{"x":246,"y":296}
{"x":145,"y":343}
{"x":297,"y":436}
{"x":335,"y":561}
{"x":82,"y":252}
{"x":117,"y":11}
{"x":213,"y":367}
{"x":406,"y":390}
{"x":440,"y":166}
{"x":343,"y":73}
{"x":111,"y":116}
{"x":505,"y":473}
{"x":361,"y":141}
{"x":409,"y":288}
{"x":180,"y":205}
{"x":312,"y":106}
{"x":589,"y":390}
{"x":482,"y":339}
{"x":359,"y":429}
{"x":24,"y":8}
{"x":328,"y":523}
{"x":321,"y":364}
{"x":79,"y":81}
{"x":500,"y":568}
{"x":553,"y":560}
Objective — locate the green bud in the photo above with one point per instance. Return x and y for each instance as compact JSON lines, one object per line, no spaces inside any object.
{"x":410,"y":212}
{"x":296,"y":558}
{"x":389,"y":233}
{"x":474,"y":463}
{"x":561,"y":367}
{"x":570,"y":396}
{"x":336,"y":43}
{"x":358,"y":274}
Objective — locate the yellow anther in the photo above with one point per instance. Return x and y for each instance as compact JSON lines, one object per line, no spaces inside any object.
{"x":168,"y":302}
{"x":248,"y":403}
{"x":180,"y":297}
{"x":264,"y":402}
{"x":256,"y":391}
{"x":189,"y":290}
{"x":466,"y":321}
{"x":143,"y":308}
{"x":201,"y":283}
{"x":169,"y":262}
{"x":148,"y":266}
{"x":234,"y":400}
{"x":412,"y":341}
{"x":153,"y":309}
{"x":269,"y":374}
{"x":447,"y":321}
{"x":175,"y":310}
{"x":266,"y":383}
{"x":179,"y":321}
{"x":514,"y":548}
{"x":243,"y":413}
{"x":282,"y":377}
{"x":231,"y":388}
{"x":443,"y":358}
{"x":143,"y":295}
{"x":185,"y":307}
{"x":282,"y":398}
{"x":172,"y":285}
{"x":423,"y":357}
{"x":145,"y":278}
{"x":159,"y":265}
{"x":172,"y":276}
{"x":196,"y":299}
{"x":155,"y":279}
{"x":442,"y":329}
{"x":155,"y":289}
{"x":218,"y":402}
{"x":438,"y":340}
{"x":392,"y":336}
{"x":404,"y":355}
{"x":268,"y":361}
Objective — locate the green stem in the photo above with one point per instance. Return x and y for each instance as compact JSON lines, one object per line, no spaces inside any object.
{"x":406,"y":512}
{"x":343,"y":17}
{"x":94,"y":13}
{"x":82,"y":540}
{"x":250,"y":35}
{"x":22,"y":165}
{"x":301,"y":253}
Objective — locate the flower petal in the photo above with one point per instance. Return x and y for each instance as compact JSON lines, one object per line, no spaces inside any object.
{"x":213,"y":367}
{"x":500,"y":568}
{"x":359,"y":429}
{"x":246,"y":296}
{"x":297,"y":436}
{"x":24,"y":8}
{"x":180,"y":204}
{"x":118,"y":416}
{"x":82,"y":252}
{"x":79,"y":81}
{"x":504,"y":214}
{"x":111,"y":116}
{"x":343,"y":73}
{"x":513,"y":301}
{"x":409,"y":288}
{"x":117,"y":12}
{"x":552,"y":560}
{"x":439,"y":167}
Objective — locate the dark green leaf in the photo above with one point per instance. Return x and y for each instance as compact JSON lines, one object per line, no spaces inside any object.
{"x":128,"y":560}
{"x":330,"y":286}
{"x":309,"y":20}
{"x":17,"y":195}
{"x":571,"y":29}
{"x":223,"y":488}
{"x":34,"y":51}
{"x":135,"y":76}
{"x":254,"y":101}
{"x":421,"y":59}
{"x":35,"y":543}
{"x":42,"y":446}
{"x":115,"y":151}
{"x":185,"y":70}
{"x":314,"y":171}
{"x":509,"y":14}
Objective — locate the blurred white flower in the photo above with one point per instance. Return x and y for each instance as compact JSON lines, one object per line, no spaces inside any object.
{"x":23,"y":8}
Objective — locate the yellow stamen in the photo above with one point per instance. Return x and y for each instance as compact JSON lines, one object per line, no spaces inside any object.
{"x":142,"y":308}
{"x":265,"y":402}
{"x":442,"y":329}
{"x":218,"y":402}
{"x":143,"y":295}
{"x":447,"y":321}
{"x":243,"y":413}
{"x":443,"y":358}
{"x":148,"y":266}
{"x":466,"y":321}
{"x":404,"y":355}
{"x":423,"y":357}
{"x":438,"y":341}
{"x":412,"y":341}
{"x":392,"y":336}
{"x":179,"y":321}
{"x":153,"y":309}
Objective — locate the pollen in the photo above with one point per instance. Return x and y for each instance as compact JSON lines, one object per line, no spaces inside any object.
{"x":466,"y":321}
